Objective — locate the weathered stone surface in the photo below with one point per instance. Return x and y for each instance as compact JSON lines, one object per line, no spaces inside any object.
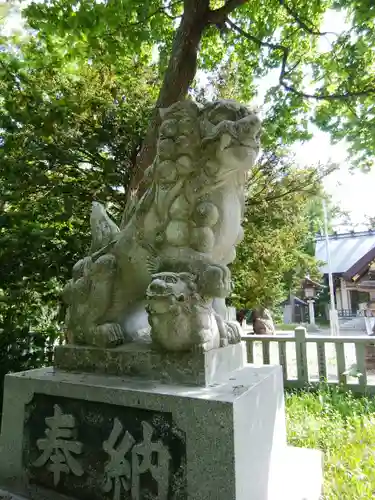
{"x":232,"y":435}
{"x":175,"y":243}
{"x":140,"y":360}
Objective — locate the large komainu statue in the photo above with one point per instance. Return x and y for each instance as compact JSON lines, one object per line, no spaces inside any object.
{"x":166,"y":266}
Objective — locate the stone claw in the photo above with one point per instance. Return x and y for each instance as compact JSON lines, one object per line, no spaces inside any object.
{"x":198,"y":348}
{"x":224,"y":342}
{"x":107,"y":335}
{"x":234,"y":332}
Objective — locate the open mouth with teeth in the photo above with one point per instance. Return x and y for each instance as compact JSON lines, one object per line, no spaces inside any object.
{"x":165,"y":294}
{"x":161,"y":304}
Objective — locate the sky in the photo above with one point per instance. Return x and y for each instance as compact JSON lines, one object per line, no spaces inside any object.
{"x":352,"y":191}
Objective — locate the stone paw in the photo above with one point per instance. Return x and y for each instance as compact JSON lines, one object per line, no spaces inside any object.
{"x":107,"y":335}
{"x":199,"y":348}
{"x":224,"y":342}
{"x":234,"y":332}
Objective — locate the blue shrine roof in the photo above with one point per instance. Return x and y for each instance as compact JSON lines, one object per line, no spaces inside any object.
{"x":346,"y":250}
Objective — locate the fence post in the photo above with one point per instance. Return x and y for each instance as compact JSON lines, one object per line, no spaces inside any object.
{"x":301,"y":355}
{"x":321,"y":356}
{"x":283,"y":360}
{"x":341,"y":364}
{"x":360,"y":352}
{"x":250,"y":351}
{"x":266,"y":352}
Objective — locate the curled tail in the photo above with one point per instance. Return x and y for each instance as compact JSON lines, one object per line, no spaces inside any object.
{"x":103,"y":229}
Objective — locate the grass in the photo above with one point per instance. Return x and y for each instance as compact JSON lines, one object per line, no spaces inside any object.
{"x":343,"y":427}
{"x":292,"y":326}
{"x":284,"y":326}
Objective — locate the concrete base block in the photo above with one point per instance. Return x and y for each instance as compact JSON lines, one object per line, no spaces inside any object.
{"x":141,"y":361}
{"x":95,"y":437}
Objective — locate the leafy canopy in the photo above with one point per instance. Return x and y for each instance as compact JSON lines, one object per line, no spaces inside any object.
{"x":319,"y":75}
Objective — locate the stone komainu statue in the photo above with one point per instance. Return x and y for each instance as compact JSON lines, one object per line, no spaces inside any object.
{"x":263,"y":322}
{"x":166,"y":266}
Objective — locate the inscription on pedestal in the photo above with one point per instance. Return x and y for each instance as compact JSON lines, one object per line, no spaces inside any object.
{"x":57,"y":447}
{"x":95,"y":451}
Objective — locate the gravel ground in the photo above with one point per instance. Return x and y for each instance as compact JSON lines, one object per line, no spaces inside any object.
{"x":350,"y":357}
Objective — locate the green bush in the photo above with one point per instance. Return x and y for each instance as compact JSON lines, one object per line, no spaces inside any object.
{"x":21,"y":350}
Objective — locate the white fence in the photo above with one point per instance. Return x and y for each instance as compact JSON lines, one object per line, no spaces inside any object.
{"x":294,"y":352}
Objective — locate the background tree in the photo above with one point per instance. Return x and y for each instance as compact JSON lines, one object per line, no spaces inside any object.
{"x":275,"y":254}
{"x":370,"y":222}
{"x":69,"y":131}
{"x":284,"y":213}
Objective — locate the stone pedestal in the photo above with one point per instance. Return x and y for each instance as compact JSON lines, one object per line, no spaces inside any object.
{"x":141,"y":361}
{"x":100,"y":437}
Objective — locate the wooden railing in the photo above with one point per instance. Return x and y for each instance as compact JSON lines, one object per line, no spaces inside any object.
{"x":346,"y":313}
{"x":293,"y":353}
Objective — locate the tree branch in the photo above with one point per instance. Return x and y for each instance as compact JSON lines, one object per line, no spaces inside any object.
{"x":325,"y":97}
{"x":160,"y":10}
{"x":254,"y":39}
{"x":284,"y":71}
{"x":219,"y":16}
{"x":178,"y":77}
{"x":302,"y":24}
{"x":181,"y":70}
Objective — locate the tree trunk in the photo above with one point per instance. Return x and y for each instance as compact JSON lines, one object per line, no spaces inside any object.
{"x":178,"y":78}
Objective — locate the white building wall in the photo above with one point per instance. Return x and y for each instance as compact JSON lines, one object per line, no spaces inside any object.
{"x":338,"y":299}
{"x":345,"y":299}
